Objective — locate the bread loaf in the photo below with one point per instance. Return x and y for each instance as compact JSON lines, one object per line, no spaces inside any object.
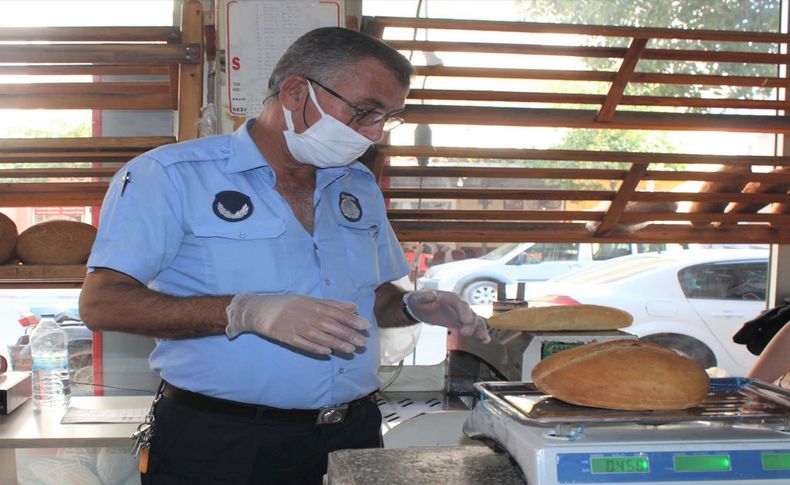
{"x":8,"y":234}
{"x":622,"y":374}
{"x":56,"y":242}
{"x":562,"y":317}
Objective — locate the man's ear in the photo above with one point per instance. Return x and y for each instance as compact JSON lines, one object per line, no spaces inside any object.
{"x":293,"y":92}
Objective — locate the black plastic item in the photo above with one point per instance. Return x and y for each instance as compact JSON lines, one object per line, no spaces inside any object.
{"x":755,"y":334}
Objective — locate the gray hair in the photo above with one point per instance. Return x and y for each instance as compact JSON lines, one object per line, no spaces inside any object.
{"x":326,"y":52}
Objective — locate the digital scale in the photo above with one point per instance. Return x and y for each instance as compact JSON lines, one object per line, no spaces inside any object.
{"x":738,"y":435}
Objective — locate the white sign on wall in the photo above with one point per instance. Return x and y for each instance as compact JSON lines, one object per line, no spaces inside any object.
{"x":258,"y":32}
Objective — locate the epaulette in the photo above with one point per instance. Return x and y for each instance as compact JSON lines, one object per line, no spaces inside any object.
{"x":200,"y":149}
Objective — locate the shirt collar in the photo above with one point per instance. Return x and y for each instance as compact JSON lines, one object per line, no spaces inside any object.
{"x":245,"y":154}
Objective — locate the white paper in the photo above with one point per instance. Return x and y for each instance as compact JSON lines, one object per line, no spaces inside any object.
{"x":258,"y":32}
{"x":82,"y":415}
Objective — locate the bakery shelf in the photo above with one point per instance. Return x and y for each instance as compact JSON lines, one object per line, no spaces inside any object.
{"x":42,"y":276}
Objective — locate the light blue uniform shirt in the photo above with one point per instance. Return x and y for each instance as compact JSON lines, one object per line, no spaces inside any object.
{"x":203,"y":218}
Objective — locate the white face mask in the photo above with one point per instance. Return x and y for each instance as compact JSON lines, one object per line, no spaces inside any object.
{"x":328,"y":143}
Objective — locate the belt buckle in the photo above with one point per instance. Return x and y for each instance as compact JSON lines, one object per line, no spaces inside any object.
{"x":332,"y":415}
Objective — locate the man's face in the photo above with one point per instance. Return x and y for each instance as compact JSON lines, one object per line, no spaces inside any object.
{"x":363,"y":97}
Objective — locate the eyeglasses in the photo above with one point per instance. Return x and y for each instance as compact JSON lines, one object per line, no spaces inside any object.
{"x":365,"y":116}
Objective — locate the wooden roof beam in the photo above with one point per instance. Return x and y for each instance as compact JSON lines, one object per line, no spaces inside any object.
{"x":600,"y":76}
{"x":44,"y":173}
{"x":90,"y":34}
{"x":83,"y":70}
{"x":97,"y":144}
{"x":101,"y":54}
{"x":558,"y":194}
{"x":577,"y":118}
{"x":575,"y":98}
{"x":588,"y":51}
{"x":578,"y":155}
{"x":466,"y":231}
{"x":575,"y":29}
{"x":616,"y":90}
{"x":189,"y":78}
{"x":129,"y":96}
{"x":46,"y":194}
{"x":579,"y":174}
{"x":576,"y":216}
{"x":621,"y":198}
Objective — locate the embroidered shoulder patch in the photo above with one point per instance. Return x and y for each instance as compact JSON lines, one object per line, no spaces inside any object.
{"x":232,"y":206}
{"x":349,"y":207}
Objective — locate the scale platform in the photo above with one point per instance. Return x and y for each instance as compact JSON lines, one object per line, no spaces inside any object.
{"x":738,"y":435}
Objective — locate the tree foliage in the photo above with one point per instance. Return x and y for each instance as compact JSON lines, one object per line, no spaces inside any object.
{"x":52,"y":127}
{"x":732,"y":15}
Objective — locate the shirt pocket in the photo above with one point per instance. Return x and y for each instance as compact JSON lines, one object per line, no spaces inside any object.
{"x":247,"y":256}
{"x":360,"y":241}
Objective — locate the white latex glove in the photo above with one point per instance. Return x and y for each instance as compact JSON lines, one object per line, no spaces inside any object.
{"x":446,"y":309}
{"x":307,"y":323}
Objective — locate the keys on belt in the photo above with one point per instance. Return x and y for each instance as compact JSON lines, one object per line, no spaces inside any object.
{"x":145,"y":431}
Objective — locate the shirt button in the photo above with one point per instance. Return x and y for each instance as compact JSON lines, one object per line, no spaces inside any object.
{"x":341,"y":370}
{"x":327,"y":282}
{"x":242,"y":235}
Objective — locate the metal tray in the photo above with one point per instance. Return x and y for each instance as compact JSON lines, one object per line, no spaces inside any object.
{"x":729,"y":399}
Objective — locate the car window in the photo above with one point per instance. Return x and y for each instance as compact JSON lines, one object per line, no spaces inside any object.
{"x":725,"y":281}
{"x":650,"y":248}
{"x":542,"y":252}
{"x":602,"y":251}
{"x":562,"y":252}
{"x":499,"y":251}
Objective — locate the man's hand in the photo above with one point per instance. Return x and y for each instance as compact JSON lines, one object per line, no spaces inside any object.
{"x":310,"y":324}
{"x":446,"y":309}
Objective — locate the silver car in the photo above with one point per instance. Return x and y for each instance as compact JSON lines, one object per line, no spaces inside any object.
{"x":476,"y":279}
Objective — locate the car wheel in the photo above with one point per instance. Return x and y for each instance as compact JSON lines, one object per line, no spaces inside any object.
{"x":688,"y":346}
{"x":480,"y":292}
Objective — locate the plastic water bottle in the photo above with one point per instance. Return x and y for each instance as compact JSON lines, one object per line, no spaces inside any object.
{"x":49,"y":349}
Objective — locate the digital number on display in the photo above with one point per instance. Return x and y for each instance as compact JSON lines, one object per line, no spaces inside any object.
{"x":620,"y":464}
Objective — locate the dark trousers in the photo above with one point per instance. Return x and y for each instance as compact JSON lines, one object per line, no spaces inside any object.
{"x":196,"y":447}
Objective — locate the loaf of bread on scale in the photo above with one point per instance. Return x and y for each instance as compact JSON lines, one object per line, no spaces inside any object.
{"x":623,"y":374}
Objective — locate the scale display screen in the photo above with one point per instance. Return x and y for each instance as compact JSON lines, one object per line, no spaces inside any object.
{"x":701,"y":463}
{"x":551,"y":347}
{"x":775,"y":461}
{"x":687,"y":467}
{"x":619,"y":464}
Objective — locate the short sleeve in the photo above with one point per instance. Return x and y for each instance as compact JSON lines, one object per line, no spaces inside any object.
{"x":392,"y":263}
{"x":140,"y":226}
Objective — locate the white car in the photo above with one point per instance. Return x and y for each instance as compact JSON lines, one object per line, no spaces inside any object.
{"x":476,"y":279}
{"x":693,"y":301}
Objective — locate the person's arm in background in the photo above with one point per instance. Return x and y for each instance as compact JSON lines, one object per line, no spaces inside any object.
{"x":774,"y":361}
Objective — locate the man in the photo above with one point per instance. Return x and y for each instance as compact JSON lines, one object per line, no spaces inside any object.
{"x":261,"y":262}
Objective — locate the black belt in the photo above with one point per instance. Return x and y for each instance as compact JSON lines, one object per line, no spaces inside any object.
{"x":201,"y":402}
